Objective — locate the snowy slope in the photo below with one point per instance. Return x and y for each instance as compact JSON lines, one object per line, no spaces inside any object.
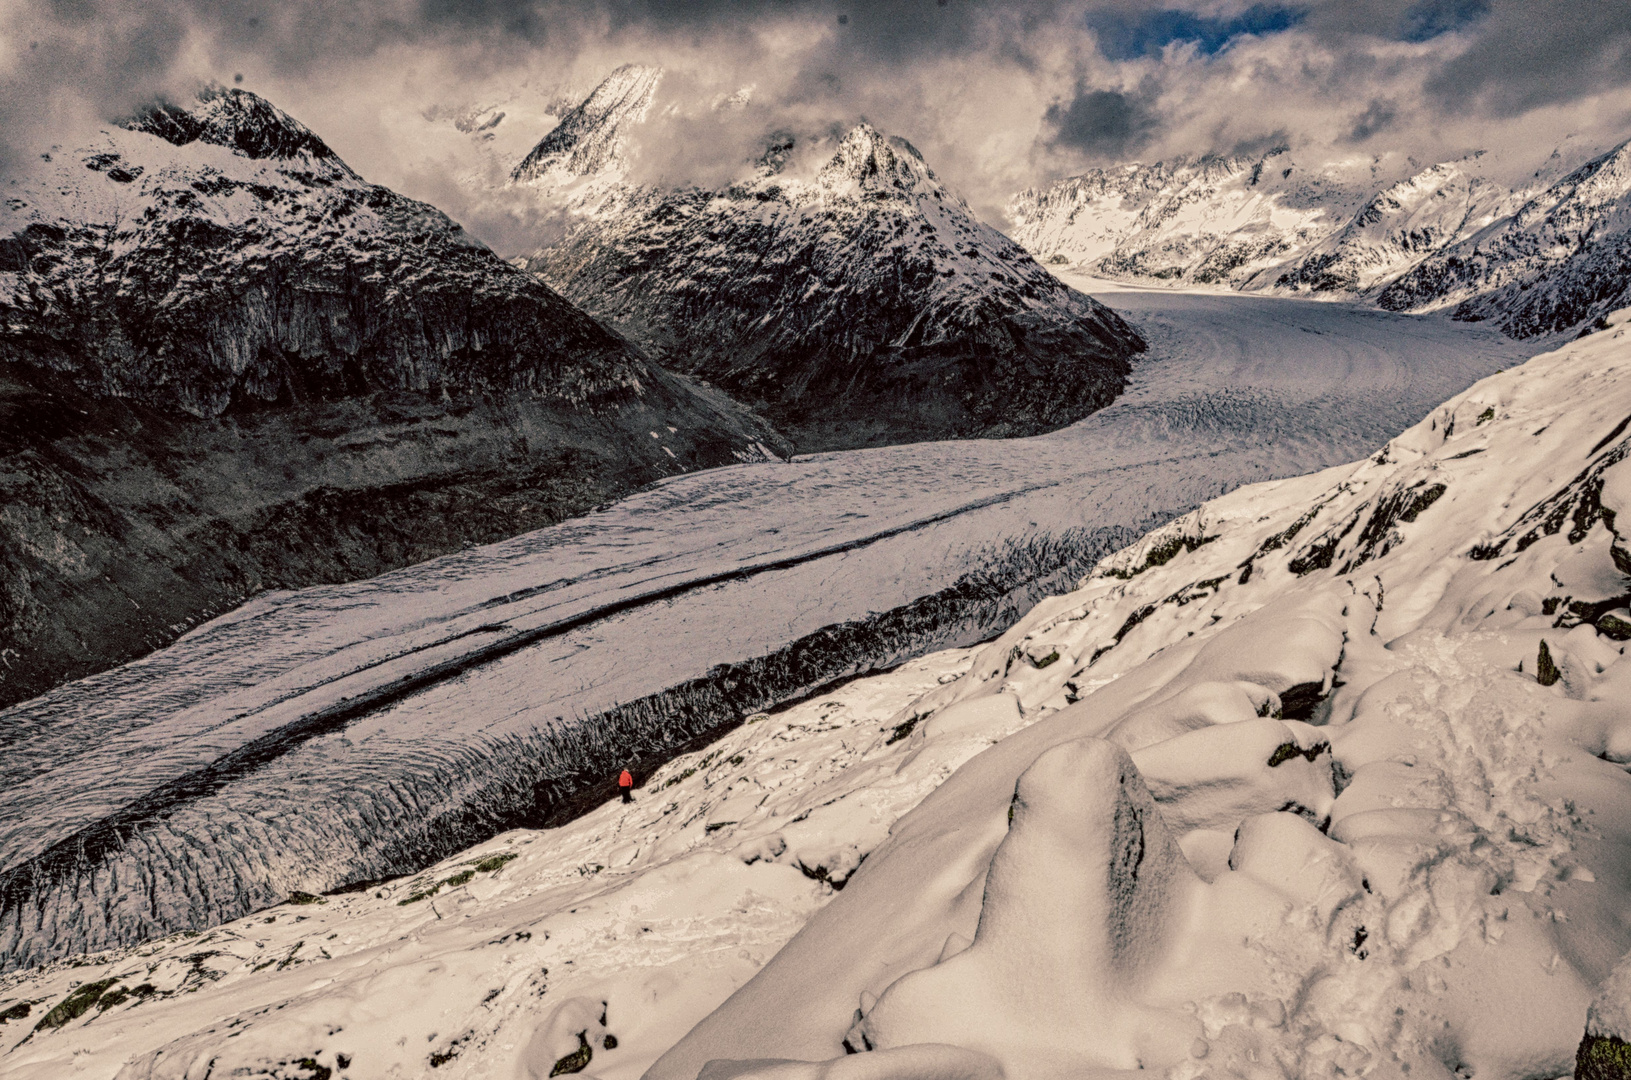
{"x":1425,"y":874}
{"x":1562,"y":259}
{"x":1400,"y":226}
{"x":221,"y":252}
{"x":366,"y":730}
{"x":1289,"y":788}
{"x":1417,"y":239}
{"x":1214,"y":221}
{"x":859,"y":304}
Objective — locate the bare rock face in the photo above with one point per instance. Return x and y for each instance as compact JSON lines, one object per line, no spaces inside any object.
{"x":861,"y":305}
{"x":211,"y":327}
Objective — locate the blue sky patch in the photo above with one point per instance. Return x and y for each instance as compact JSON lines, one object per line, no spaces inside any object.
{"x":1126,"y":36}
{"x":1427,"y":19}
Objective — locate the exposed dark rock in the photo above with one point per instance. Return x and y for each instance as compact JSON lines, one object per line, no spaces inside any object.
{"x":1602,"y":1057}
{"x":867,"y":306}
{"x":245,"y":368}
{"x":1563,"y":259}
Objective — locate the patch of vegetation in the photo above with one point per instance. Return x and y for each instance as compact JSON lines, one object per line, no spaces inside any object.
{"x":1163,"y":553}
{"x":1614,"y":628}
{"x":75,"y":1005}
{"x":576,"y":1061}
{"x":305,"y":898}
{"x":462,"y":877}
{"x":1288,"y":750}
{"x":493,"y":862}
{"x":1486,"y":416}
{"x":315,"y":1070}
{"x":1046,"y":660}
{"x":1602,"y":1057}
{"x":18,"y":1011}
{"x":686,"y":775}
{"x":905,"y":728}
{"x":1546,"y":672}
{"x":422,"y":894}
{"x":120,"y":994}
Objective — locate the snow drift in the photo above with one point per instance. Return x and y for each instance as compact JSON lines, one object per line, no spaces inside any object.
{"x":1427,"y":876}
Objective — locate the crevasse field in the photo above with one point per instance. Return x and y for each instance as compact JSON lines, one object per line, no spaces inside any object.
{"x":1290,"y":787}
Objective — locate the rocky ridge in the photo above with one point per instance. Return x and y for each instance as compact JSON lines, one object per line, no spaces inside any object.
{"x":1209,"y":221}
{"x":861,"y":305}
{"x":1563,"y":258}
{"x":215,"y":333}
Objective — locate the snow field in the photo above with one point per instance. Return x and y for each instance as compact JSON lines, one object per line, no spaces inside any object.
{"x":738,"y":563}
{"x":1282,"y":804}
{"x":1426,"y":875}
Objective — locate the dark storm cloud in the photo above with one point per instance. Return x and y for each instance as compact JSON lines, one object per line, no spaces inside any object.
{"x":1428,"y":19}
{"x":1100,"y":123}
{"x":978,"y":84}
{"x":1378,"y":116}
{"x":1526,"y":55}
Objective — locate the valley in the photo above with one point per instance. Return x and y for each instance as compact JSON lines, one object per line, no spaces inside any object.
{"x":399,"y":719}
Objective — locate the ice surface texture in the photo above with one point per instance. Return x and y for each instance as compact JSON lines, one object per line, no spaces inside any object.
{"x":1103,"y":840}
{"x":366,"y":730}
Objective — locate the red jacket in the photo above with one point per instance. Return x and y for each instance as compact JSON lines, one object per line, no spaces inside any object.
{"x":625,"y":780}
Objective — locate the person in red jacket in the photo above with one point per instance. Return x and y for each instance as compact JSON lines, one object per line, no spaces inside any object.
{"x":625,"y":784}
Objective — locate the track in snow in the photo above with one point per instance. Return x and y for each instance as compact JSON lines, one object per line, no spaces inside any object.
{"x":364,"y":730}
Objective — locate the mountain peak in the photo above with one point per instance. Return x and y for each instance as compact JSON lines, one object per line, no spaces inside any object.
{"x":241,"y":121}
{"x":868,"y":158}
{"x":591,"y":136}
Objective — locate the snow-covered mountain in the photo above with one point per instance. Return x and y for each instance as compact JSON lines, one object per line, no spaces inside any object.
{"x":1542,"y":257}
{"x":1561,"y":259}
{"x":230,"y":364}
{"x":1213,"y":221}
{"x":592,"y":137}
{"x":1400,"y":226}
{"x":1327,"y":778}
{"x":862,"y":304}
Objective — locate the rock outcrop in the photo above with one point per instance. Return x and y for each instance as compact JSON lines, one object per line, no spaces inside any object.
{"x":1562,"y":259}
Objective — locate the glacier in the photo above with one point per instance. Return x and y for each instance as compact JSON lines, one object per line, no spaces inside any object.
{"x":1108,"y":824}
{"x":348,"y":733}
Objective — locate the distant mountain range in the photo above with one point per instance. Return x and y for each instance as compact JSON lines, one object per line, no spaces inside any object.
{"x":1545,"y":257}
{"x":861,"y":305}
{"x":231,"y":364}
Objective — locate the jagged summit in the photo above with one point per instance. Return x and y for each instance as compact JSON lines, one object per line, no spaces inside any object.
{"x":236,"y":119}
{"x":591,"y":137}
{"x":1213,"y":220}
{"x":874,"y":162}
{"x":1401,"y":225}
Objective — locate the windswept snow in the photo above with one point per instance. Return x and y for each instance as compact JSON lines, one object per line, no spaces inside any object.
{"x":361,"y":731}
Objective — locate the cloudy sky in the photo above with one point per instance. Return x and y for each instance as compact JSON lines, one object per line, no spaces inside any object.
{"x":997,"y":95}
